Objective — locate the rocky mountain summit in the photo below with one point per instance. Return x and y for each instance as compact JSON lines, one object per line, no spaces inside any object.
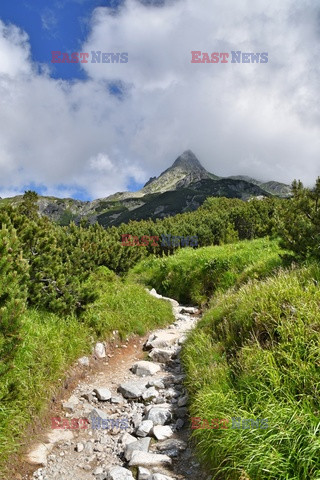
{"x":180,"y":188}
{"x":185,"y":170}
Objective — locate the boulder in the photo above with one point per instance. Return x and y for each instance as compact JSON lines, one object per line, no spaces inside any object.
{"x":159,"y":415}
{"x":103,"y":394}
{"x":119,"y":473}
{"x":161,"y":339}
{"x":141,"y":445}
{"x":171,"y":447}
{"x":38,"y":456}
{"x":145,"y":459}
{"x":161,"y":355}
{"x":97,"y":413}
{"x":144,"y":428}
{"x":144,"y":368}
{"x":162,"y":432}
{"x":131,"y":390}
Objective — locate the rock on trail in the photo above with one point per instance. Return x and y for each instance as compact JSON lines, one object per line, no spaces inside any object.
{"x":136,"y":425}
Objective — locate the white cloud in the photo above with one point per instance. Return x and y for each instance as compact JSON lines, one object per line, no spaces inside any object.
{"x":255,"y":119}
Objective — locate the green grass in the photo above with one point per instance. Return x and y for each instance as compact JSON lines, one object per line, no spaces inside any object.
{"x":256,"y":354}
{"x":50,"y":344}
{"x":193,"y":275}
{"x":124,"y":306}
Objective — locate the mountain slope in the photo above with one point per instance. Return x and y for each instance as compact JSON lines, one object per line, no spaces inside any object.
{"x":275,"y":188}
{"x":182,"y":187}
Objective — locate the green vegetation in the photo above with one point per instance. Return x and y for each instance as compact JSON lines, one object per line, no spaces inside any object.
{"x":256,"y":352}
{"x":123,"y":305}
{"x":193,"y":275}
{"x":13,"y":294}
{"x":298,"y":221}
{"x":217,"y":221}
{"x":50,"y":343}
{"x":67,"y":217}
{"x":255,"y":355}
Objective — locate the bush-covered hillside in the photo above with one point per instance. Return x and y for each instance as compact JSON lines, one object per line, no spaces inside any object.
{"x":193,"y":275}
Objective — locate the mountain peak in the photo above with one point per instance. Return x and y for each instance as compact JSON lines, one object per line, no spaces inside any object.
{"x":185,"y":170}
{"x":187,"y":161}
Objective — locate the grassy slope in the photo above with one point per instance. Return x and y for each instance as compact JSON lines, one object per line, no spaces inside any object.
{"x":256,"y":354}
{"x":192,"y":275}
{"x":51,"y":344}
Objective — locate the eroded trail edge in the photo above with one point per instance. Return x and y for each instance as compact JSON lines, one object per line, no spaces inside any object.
{"x":137,"y":419}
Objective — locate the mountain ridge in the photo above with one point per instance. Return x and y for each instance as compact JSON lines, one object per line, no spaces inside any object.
{"x":182,"y":187}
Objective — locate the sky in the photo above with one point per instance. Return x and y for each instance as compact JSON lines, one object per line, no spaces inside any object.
{"x":87,"y":130}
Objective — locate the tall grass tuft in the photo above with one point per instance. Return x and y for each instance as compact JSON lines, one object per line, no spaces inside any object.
{"x":256,"y":354}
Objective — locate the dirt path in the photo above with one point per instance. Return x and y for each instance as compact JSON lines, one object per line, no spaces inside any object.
{"x":136,"y":416}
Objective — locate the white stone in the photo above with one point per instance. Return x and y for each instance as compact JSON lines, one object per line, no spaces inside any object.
{"x":154,"y":293}
{"x":141,"y":445}
{"x":98,"y":471}
{"x":162,"y":339}
{"x":59,"y":436}
{"x":131,"y":390}
{"x":144,"y":428}
{"x":73,"y":399}
{"x":84,"y":361}
{"x":38,"y":456}
{"x":143,"y":368}
{"x":119,"y":473}
{"x":68,"y":407}
{"x":99,"y":350}
{"x":182,"y":340}
{"x":127,"y":439}
{"x":173,"y":302}
{"x":157,"y":382}
{"x":103,"y":394}
{"x":80,"y":447}
{"x":150,"y":393}
{"x":97,"y":413}
{"x":162,"y":432}
{"x":143,"y":473}
{"x":146,"y":459}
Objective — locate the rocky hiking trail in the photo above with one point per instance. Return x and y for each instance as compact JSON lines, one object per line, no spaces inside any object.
{"x":142,"y":388}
